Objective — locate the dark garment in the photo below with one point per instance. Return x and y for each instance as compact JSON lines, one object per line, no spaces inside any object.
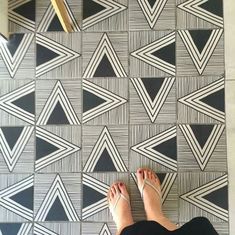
{"x":196,"y":226}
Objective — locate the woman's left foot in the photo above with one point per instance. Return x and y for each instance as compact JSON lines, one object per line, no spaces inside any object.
{"x":119,"y":203}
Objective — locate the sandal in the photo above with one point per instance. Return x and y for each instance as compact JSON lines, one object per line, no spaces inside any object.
{"x":146,"y":181}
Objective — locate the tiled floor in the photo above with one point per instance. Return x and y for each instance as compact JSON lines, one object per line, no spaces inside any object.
{"x":138,"y":83}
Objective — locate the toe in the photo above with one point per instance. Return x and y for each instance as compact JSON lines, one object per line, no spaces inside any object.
{"x":113,"y":190}
{"x":145,"y":173}
{"x":140,"y":176}
{"x":116,"y":188}
{"x":122,"y":188}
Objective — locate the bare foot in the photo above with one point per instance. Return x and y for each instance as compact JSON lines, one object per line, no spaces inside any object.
{"x":122,"y":211}
{"x":152,"y":200}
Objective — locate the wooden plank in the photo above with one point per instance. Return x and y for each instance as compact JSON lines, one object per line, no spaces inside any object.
{"x":62,"y":14}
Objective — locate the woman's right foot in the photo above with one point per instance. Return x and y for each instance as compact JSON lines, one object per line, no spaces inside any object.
{"x":152,"y":200}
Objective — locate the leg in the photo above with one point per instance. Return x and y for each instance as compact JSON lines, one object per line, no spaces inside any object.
{"x":152,"y":201}
{"x":122,"y":212}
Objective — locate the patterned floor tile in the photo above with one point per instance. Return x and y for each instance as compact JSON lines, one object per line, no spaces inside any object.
{"x":202,"y":147}
{"x":57,"y":197}
{"x":48,"y":20}
{"x":17,"y":149}
{"x":200,"y":52}
{"x":147,"y":15}
{"x":203,"y":194}
{"x":58,"y":55}
{"x":17,"y":102}
{"x":152,"y":100}
{"x":109,"y":15}
{"x":58,"y":149}
{"x":201,"y":99}
{"x":16,"y":228}
{"x":16,"y":197}
{"x":153,"y":146}
{"x":105,"y":149}
{"x":58,"y":103}
{"x":21,"y":15}
{"x":199,"y":13}
{"x":17,"y":57}
{"x":57,"y":228}
{"x":152,"y":54}
{"x":105,"y":101}
{"x":95,"y":189}
{"x":105,"y":55}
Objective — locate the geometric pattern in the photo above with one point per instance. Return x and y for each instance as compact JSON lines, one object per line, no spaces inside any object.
{"x":58,"y":105}
{"x":15,"y":228}
{"x":152,"y":12}
{"x":208,"y":197}
{"x":167,"y":180}
{"x":20,"y":102}
{"x":13,"y":52}
{"x":22,"y":12}
{"x":202,"y":140}
{"x":153,"y":93}
{"x":160,"y":148}
{"x":41,"y":230}
{"x":200,"y":45}
{"x":104,"y":55}
{"x":50,"y":20}
{"x":159,"y":54}
{"x":12,"y":143}
{"x":18,"y":198}
{"x":105,"y":230}
{"x":94,"y":196}
{"x":95,"y":11}
{"x":51,"y":54}
{"x":104,"y":155}
{"x":208,"y":100}
{"x":208,"y":10}
{"x":51,"y":148}
{"x":57,"y":205}
{"x":97,"y":100}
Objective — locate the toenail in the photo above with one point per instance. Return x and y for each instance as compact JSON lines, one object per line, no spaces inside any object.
{"x":140,"y":172}
{"x":121,"y":184}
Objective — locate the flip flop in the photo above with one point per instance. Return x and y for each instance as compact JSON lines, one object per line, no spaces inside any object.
{"x":146,"y":181}
{"x":120,"y":196}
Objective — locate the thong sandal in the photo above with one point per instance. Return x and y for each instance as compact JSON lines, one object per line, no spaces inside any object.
{"x":120,"y":196}
{"x":146,"y":181}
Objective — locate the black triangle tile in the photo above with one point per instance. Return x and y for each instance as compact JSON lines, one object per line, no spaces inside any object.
{"x":26,"y":102}
{"x":168,"y":148}
{"x":44,"y":55}
{"x":43,"y":148}
{"x":152,"y":86}
{"x":151,"y":2}
{"x":57,"y":212}
{"x":104,"y":69}
{"x":90,"y":100}
{"x":55,"y":24}
{"x":166,"y":53}
{"x":219,"y":197}
{"x":25,"y":198}
{"x":27,"y":10}
{"x":105,"y":162}
{"x":10,"y":228}
{"x":12,"y":134}
{"x":91,"y":196}
{"x":14,"y":42}
{"x":58,"y":115}
{"x":200,"y":38}
{"x":213,"y":6}
{"x":202,"y":133}
{"x":215,"y":100}
{"x":91,"y":8}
